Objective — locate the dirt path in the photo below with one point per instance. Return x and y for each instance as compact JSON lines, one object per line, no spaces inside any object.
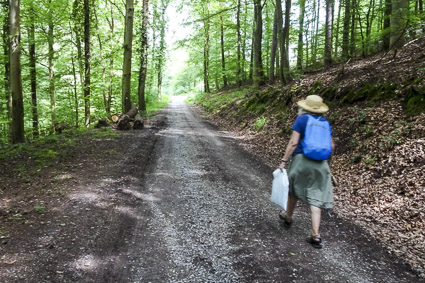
{"x":183,"y":203}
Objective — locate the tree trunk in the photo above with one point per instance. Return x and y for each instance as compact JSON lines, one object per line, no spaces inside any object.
{"x":138,"y":122}
{"x":353,"y":31}
{"x":399,"y":23}
{"x":316,"y":33}
{"x":51,"y":67}
{"x":17,"y":130}
{"x":387,"y":24}
{"x":337,"y":31}
{"x":124,"y":121}
{"x":274,"y":45}
{"x":346,"y":31}
{"x":238,"y":25}
{"x":6,"y":53}
{"x":300,"y":51}
{"x":258,"y":74}
{"x":128,"y":44}
{"x":143,"y":57}
{"x":161,"y":57}
{"x":33,"y":72}
{"x":105,"y":100}
{"x":223,"y":61}
{"x":206,"y":50}
{"x":87,"y":54}
{"x":284,"y":33}
{"x":111,"y":59}
{"x":328,"y":34}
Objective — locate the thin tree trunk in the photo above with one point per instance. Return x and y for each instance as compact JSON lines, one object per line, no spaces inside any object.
{"x":206,"y":50}
{"x":346,"y":30}
{"x":75,"y":91}
{"x":33,"y":72}
{"x":51,"y":56}
{"x":356,"y":10}
{"x":316,"y":33}
{"x":387,"y":24}
{"x":353,"y":31}
{"x":288,"y":4}
{"x":337,"y":31}
{"x":300,"y":52}
{"x":87,"y":66}
{"x":274,"y":45}
{"x":238,"y":25}
{"x":284,"y":33}
{"x":143,"y":57}
{"x":161,"y":57}
{"x":244,"y":45}
{"x":111,"y":58}
{"x":128,"y":44}
{"x":105,"y":100}
{"x":17,"y":130}
{"x":328,"y":34}
{"x":223,"y":59}
{"x":6,"y":52}
{"x":258,"y":35}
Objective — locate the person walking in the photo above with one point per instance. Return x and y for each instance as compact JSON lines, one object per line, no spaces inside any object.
{"x":309,"y":179}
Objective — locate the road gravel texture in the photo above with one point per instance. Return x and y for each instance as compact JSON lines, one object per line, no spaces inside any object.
{"x":186,"y":203}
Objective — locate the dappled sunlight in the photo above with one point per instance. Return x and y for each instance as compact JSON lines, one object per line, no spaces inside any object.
{"x":91,"y":263}
{"x":85,"y":197}
{"x":129,"y":211}
{"x":145,"y":197}
{"x":65,"y":176}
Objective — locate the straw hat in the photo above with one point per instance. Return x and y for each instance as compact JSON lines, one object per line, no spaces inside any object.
{"x":313,"y":103}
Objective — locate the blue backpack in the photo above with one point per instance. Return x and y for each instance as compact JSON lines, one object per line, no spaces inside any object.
{"x":317,"y":139}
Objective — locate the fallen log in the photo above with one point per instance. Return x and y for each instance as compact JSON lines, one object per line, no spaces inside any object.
{"x":116,"y":117}
{"x":138,"y":122}
{"x":124,"y":121}
{"x":102,"y":123}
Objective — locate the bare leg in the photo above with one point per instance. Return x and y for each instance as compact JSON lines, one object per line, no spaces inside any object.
{"x":292,"y":203}
{"x":315,"y":219}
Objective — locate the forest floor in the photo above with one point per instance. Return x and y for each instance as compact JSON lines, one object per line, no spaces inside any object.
{"x":180,"y":201}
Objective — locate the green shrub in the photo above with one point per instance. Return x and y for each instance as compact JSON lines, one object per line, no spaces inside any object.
{"x":259,"y":124}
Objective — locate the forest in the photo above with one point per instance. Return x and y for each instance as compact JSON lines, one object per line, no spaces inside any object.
{"x":71,"y":63}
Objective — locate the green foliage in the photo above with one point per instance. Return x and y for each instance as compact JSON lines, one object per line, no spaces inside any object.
{"x":45,"y":153}
{"x":215,"y":102}
{"x":40,"y":209}
{"x":416,"y":105}
{"x":259,"y":123}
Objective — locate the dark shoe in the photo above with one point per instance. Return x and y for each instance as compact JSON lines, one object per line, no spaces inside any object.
{"x":286,"y":219}
{"x":315,"y":241}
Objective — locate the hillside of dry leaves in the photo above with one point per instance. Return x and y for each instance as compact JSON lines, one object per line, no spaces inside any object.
{"x":379,"y":162}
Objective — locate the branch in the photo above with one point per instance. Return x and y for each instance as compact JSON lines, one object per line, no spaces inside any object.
{"x":211,"y":16}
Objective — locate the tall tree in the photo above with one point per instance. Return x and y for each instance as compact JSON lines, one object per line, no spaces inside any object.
{"x":33,"y":72}
{"x":398,"y":23}
{"x":161,"y":55}
{"x":346,"y":30}
{"x":223,"y":60}
{"x":128,"y":44}
{"x":87,"y":65}
{"x":206,"y":23}
{"x":6,"y":53}
{"x":300,"y":51}
{"x":273,"y":49}
{"x":258,"y":73}
{"x":387,"y":24}
{"x":239,"y":43}
{"x":143,"y":56}
{"x":284,"y":38}
{"x":17,"y":126}
{"x":328,"y":33}
{"x":51,"y":65}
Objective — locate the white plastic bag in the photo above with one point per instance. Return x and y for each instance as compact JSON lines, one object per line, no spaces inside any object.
{"x":280,"y":188}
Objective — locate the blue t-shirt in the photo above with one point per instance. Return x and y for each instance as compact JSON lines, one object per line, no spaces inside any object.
{"x":299,"y":126}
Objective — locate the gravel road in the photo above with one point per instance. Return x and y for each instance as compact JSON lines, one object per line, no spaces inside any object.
{"x":185,"y":203}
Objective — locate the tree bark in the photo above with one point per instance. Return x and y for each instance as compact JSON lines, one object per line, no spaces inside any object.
{"x":387,"y":24}
{"x":206,"y":50}
{"x":128,"y":44}
{"x":17,"y":129}
{"x":238,"y":25}
{"x":33,"y":72}
{"x":87,"y":65}
{"x":6,"y":53}
{"x":274,"y":45}
{"x":258,"y":74}
{"x":353,"y":31}
{"x":138,"y":122}
{"x":328,"y":34}
{"x":300,"y":51}
{"x":51,"y":67}
{"x":346,"y":30}
{"x":337,"y":30}
{"x":124,"y":121}
{"x":398,"y":23}
{"x":284,"y":36}
{"x":223,"y":60}
{"x":143,"y":57}
{"x":105,"y":100}
{"x":161,"y":57}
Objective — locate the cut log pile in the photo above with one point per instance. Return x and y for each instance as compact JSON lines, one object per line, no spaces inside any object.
{"x":130,"y":120}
